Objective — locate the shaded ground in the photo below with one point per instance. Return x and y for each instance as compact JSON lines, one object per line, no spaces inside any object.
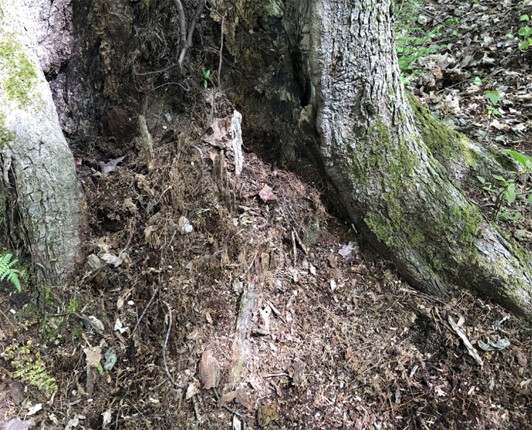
{"x":303,"y":330}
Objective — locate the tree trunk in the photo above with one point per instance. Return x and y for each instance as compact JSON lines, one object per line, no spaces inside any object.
{"x":40,"y":197}
{"x":397,"y":171}
{"x":390,"y":181}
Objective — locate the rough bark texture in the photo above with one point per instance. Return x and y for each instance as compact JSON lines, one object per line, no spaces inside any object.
{"x":397,"y":172}
{"x":40,"y":197}
{"x":390,"y":181}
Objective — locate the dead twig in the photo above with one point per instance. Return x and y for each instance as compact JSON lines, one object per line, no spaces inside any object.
{"x":8,"y":320}
{"x":186,"y":39}
{"x":220,"y":61}
{"x":182,"y":27}
{"x":165,"y":348}
{"x":196,"y":409}
{"x":146,"y":308}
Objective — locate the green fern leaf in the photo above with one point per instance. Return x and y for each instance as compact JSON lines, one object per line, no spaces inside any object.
{"x":7,"y":272}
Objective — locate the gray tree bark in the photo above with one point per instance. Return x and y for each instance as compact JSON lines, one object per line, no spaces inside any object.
{"x":398,"y":173}
{"x":39,"y":197}
{"x":390,"y":181}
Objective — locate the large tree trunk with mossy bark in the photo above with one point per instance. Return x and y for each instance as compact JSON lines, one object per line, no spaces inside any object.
{"x":400,"y":175}
{"x":39,"y":196}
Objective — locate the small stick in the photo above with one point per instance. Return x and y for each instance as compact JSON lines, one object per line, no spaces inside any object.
{"x":186,"y":41}
{"x":294,"y":247}
{"x":182,"y":26}
{"x":165,"y":347}
{"x":220,"y":61}
{"x":146,"y":309}
{"x":196,"y":409}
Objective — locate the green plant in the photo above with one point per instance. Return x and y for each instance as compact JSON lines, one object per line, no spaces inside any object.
{"x":206,"y":77}
{"x":526,"y":170}
{"x":29,"y":366}
{"x":8,"y":272}
{"x":493,"y":97}
{"x":412,"y":41}
{"x":525,"y":32}
{"x":506,"y":191}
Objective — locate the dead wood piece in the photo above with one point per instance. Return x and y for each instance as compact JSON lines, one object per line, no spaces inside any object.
{"x":242,"y":330}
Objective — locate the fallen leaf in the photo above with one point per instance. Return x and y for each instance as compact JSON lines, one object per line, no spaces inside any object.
{"x":106,"y":417}
{"x":237,"y":424}
{"x":94,"y":356}
{"x":17,"y":424}
{"x":94,"y":262}
{"x":470,"y":349}
{"x":209,"y":370}
{"x":32,"y":410}
{"x":74,"y":422}
{"x":346,"y":250}
{"x":267,"y":195}
{"x":496,"y":124}
{"x":184,"y":225}
{"x":192,"y":390}
{"x":266,"y":414}
{"x":111,"y":259}
{"x":16,"y":391}
{"x":297,"y":373}
{"x":227,"y":398}
{"x":264,"y":326}
{"x":96,"y":324}
{"x":521,"y":359}
{"x":243,"y":399}
{"x":110,"y":359}
{"x":494,"y":345}
{"x":111,"y":165}
{"x":119,"y":326}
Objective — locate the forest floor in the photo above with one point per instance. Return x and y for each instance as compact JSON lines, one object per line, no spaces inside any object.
{"x":208,"y":301}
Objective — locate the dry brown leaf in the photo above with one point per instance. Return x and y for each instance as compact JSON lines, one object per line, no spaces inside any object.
{"x":192,"y":390}
{"x":243,"y":399}
{"x":209,"y":370}
{"x":267,"y":195}
{"x":94,"y":356}
{"x":227,"y":398}
{"x":298,"y":372}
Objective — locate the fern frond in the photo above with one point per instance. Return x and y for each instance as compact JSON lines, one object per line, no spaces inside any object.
{"x":7,"y":272}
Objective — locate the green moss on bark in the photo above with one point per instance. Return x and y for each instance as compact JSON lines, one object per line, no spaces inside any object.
{"x":444,"y":143}
{"x":514,"y":292}
{"x":445,"y":244}
{"x":442,"y":232}
{"x":6,"y":136}
{"x":18,"y":76}
{"x":452,"y":148}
